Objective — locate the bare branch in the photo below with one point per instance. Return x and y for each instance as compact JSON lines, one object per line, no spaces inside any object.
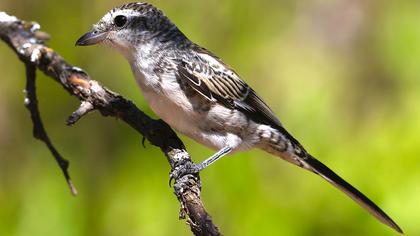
{"x":38,"y":128}
{"x":84,"y":108}
{"x":28,"y":43}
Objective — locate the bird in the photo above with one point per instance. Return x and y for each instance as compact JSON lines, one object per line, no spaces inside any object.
{"x":200,"y":96}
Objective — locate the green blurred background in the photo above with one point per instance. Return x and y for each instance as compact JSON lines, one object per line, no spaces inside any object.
{"x":342,"y":75}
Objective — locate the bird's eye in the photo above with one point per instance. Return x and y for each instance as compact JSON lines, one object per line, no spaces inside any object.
{"x":120,"y":20}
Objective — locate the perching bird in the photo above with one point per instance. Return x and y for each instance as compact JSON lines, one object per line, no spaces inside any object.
{"x":200,"y":96}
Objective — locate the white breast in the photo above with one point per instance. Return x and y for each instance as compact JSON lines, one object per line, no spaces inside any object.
{"x":173,"y":108}
{"x":168,"y":101}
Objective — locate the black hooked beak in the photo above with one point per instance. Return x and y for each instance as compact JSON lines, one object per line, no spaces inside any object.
{"x":91,"y":38}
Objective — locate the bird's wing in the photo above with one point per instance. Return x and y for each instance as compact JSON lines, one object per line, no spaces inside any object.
{"x":216,"y":81}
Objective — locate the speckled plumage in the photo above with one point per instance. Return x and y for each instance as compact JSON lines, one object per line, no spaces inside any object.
{"x":198,"y":95}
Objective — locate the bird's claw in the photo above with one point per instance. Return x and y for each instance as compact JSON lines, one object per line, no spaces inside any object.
{"x":184,"y":169}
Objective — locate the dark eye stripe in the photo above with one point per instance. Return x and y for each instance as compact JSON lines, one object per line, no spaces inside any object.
{"x":139,"y":22}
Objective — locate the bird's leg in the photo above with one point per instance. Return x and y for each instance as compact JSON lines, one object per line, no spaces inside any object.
{"x":195,"y":168}
{"x":213,"y":158}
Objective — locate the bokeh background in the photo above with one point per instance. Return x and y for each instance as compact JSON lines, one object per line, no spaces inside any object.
{"x":343,"y":76}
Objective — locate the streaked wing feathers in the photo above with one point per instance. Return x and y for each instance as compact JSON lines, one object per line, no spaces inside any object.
{"x":195,"y":82}
{"x":216,"y":81}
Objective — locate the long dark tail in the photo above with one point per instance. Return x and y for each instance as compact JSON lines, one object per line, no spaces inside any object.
{"x":326,"y":173}
{"x":282,"y":144}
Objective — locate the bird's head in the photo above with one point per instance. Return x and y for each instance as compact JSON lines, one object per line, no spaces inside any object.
{"x":129,"y":27}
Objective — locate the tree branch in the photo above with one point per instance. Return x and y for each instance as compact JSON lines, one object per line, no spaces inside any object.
{"x":38,"y":129}
{"x":29,"y":44}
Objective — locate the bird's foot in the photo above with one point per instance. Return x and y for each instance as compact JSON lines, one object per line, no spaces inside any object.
{"x":188,"y":168}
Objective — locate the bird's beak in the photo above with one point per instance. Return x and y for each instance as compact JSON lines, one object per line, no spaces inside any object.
{"x":91,"y":38}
